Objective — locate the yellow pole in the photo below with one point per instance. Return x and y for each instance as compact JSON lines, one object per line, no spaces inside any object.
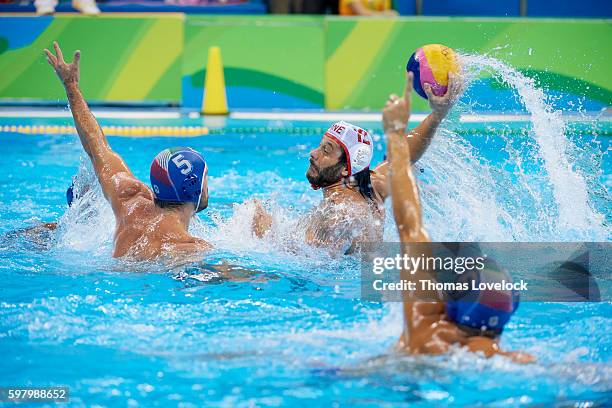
{"x":215,"y":100}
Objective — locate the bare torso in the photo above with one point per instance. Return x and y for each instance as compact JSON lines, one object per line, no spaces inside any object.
{"x":344,"y":219}
{"x":145,"y":231}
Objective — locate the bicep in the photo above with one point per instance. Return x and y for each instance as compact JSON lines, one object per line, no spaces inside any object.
{"x":420,"y":137}
{"x":117,"y":181}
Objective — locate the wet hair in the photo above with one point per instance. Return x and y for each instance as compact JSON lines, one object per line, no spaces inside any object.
{"x":167,"y":204}
{"x":364,"y":182}
{"x":363,"y":179}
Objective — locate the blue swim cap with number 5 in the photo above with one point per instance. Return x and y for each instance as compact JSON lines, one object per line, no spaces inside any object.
{"x":177,"y":175}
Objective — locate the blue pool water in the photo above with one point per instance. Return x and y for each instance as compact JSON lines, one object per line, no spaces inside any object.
{"x":294,"y":331}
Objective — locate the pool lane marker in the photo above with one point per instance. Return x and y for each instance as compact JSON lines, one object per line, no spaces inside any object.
{"x":196,"y":131}
{"x":164,"y":131}
{"x":130,"y":131}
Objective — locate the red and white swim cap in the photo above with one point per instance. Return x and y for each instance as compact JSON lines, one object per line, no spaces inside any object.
{"x":356,"y":142}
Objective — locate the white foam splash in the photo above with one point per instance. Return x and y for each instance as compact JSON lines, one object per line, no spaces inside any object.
{"x":546,"y":197}
{"x":89,"y":224}
{"x":575,"y":210}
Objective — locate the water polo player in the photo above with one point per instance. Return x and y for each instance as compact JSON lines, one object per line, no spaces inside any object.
{"x":149,"y":224}
{"x":432,"y":326}
{"x":41,"y":234}
{"x":352,"y":210}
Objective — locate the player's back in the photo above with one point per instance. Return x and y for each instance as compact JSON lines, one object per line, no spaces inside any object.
{"x":145,"y":231}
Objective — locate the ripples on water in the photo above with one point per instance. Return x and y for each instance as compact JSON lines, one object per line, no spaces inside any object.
{"x":290,"y":327}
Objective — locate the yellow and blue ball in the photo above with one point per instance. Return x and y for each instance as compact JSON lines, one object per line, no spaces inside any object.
{"x":431,"y":64}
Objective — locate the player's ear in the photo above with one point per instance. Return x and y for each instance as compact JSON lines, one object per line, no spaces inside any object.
{"x":345,"y":172}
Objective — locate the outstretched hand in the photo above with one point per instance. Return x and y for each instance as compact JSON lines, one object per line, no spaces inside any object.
{"x":396,"y":112}
{"x":440,"y":105}
{"x":262,"y":220}
{"x":67,"y":73}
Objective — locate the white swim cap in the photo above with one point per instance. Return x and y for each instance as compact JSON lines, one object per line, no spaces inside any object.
{"x":356,"y":142}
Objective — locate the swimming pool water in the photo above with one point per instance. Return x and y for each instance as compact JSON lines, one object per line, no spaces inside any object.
{"x":294,"y":330}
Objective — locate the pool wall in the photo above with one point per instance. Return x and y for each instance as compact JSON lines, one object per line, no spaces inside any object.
{"x":296,"y":62}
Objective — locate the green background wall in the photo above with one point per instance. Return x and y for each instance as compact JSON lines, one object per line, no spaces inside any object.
{"x":571,"y":56}
{"x":125,"y":58}
{"x":277,"y":60}
{"x":295,"y":62}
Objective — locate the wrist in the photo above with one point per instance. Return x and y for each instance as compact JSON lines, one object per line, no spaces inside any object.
{"x":394,"y":132}
{"x":438,"y":116}
{"x":396,"y":126}
{"x":71,"y":86}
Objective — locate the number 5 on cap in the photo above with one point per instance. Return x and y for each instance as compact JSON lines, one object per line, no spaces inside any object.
{"x":180,"y":161}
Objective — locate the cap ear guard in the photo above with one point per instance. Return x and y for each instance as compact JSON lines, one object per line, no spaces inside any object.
{"x":483,"y":310}
{"x":192,"y":186}
{"x":361,"y":156}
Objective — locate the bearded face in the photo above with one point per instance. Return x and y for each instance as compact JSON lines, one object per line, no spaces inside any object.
{"x":326,"y":176}
{"x":327,"y":164}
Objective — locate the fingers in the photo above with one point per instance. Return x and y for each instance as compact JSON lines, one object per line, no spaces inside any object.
{"x":51,"y":58}
{"x":409,"y":84}
{"x":58,"y":51}
{"x":454,"y":89}
{"x":393,"y":99}
{"x":429,"y":92}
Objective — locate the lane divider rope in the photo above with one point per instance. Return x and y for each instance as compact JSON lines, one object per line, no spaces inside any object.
{"x":195,"y":131}
{"x":131,"y":131}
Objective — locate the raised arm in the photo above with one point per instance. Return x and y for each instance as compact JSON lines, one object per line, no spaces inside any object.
{"x":113,"y":174}
{"x":425,"y":329}
{"x":404,"y":191}
{"x":420,"y":137}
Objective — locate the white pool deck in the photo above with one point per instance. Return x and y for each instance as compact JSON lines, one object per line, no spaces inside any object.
{"x":318,"y":116}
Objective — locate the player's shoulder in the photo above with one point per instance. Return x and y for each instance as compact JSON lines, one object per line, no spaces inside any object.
{"x":379,"y":181}
{"x":127,"y":187}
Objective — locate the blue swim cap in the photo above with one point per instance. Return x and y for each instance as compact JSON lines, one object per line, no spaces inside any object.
{"x":70,"y":194}
{"x":486,"y":311}
{"x":177,"y":175}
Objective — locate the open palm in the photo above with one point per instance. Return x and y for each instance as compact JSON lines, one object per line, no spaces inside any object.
{"x":68,"y":73}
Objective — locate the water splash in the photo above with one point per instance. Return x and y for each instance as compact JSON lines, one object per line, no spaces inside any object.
{"x":89,"y":224}
{"x":569,"y":187}
{"x":538,"y":190}
{"x":298,"y":322}
{"x":540,"y":186}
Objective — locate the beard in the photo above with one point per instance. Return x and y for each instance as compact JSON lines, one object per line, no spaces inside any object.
{"x":320,"y":178}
